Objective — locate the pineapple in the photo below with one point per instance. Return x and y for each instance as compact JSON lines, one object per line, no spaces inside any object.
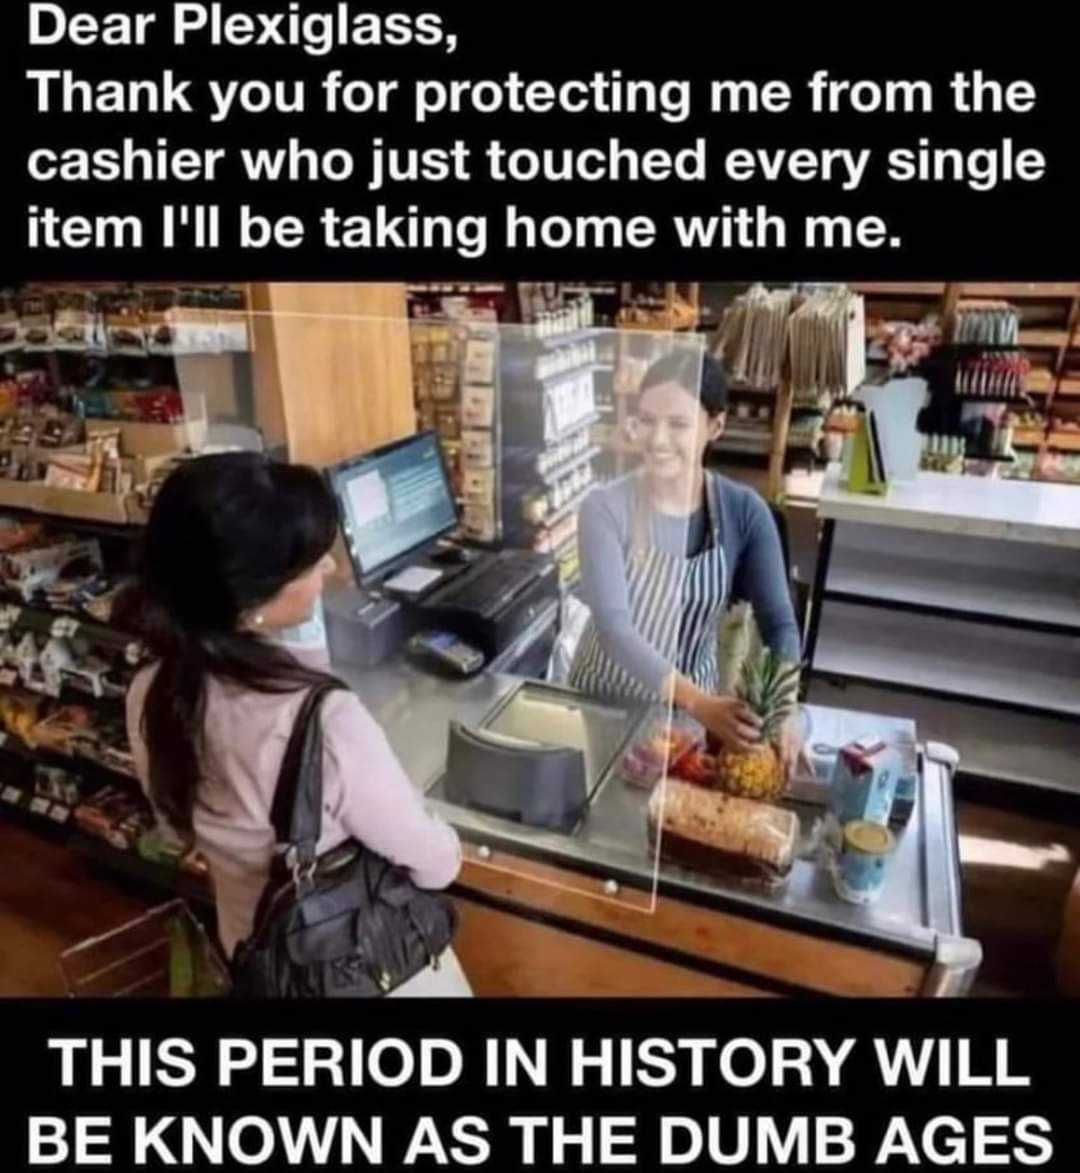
{"x":769,"y":685}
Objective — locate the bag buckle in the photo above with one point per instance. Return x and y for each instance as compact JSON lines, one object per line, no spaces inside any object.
{"x":301,"y":873}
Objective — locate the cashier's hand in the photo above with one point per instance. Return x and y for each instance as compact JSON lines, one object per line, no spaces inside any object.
{"x":793,"y":754}
{"x":729,"y":720}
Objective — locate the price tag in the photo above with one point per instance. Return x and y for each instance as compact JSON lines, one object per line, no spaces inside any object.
{"x":133,"y":653}
{"x":64,"y":627}
{"x":60,"y":814}
{"x":9,"y":616}
{"x":40,"y":806}
{"x":12,"y":794}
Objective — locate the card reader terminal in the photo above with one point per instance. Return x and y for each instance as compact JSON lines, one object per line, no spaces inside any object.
{"x":443,"y":649}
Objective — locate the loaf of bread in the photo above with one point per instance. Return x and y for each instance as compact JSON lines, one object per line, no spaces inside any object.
{"x":713,"y":832}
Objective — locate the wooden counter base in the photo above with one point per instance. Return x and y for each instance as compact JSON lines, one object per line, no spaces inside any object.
{"x":534,"y":930}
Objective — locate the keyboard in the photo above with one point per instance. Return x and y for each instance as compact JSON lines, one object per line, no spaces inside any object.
{"x":491,"y":587}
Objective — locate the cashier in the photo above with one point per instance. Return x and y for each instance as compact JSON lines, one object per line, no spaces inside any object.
{"x":663,"y":551}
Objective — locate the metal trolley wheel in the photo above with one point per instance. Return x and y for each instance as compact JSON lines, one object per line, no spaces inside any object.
{"x":165,"y":953}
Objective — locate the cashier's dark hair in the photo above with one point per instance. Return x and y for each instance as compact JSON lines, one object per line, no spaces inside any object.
{"x":699,"y":374}
{"x":225,"y":534}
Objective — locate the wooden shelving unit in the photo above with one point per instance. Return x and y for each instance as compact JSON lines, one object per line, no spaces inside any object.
{"x":1049,"y":332}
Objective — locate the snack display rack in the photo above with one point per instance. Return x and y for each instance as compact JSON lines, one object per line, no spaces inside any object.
{"x":92,"y":418}
{"x":455,"y":341}
{"x":548,"y":454}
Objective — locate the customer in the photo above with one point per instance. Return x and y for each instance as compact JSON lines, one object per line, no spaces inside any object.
{"x":666,"y":548}
{"x":236,"y":551}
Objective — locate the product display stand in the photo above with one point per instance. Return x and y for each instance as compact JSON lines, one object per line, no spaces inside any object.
{"x":549,"y":405}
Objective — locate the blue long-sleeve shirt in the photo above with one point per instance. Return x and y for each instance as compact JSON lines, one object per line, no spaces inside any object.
{"x":752,"y":550}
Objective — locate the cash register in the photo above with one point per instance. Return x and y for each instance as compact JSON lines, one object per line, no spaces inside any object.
{"x":397,"y":513}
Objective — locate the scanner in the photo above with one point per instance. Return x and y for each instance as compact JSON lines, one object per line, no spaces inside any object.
{"x":525,"y":781}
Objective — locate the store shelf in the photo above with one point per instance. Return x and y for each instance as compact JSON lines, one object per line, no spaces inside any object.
{"x":41,"y":620}
{"x":562,"y":513}
{"x":38,"y":823}
{"x":1021,"y":290}
{"x":1018,"y":748}
{"x":554,"y":475}
{"x":571,"y":430}
{"x":1033,"y":438}
{"x":1021,"y":400}
{"x":899,"y":288}
{"x":1042,"y":381}
{"x":1044,"y":338}
{"x":751,"y":444}
{"x":1005,"y":594}
{"x":12,"y":747}
{"x":561,"y":340}
{"x":132,"y":865}
{"x":992,"y":665}
{"x":82,"y":525}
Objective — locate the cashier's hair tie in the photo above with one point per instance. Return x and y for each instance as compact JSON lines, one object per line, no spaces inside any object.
{"x":226,"y":534}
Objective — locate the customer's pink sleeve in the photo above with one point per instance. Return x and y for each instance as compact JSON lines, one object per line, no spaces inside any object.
{"x":366,"y":790}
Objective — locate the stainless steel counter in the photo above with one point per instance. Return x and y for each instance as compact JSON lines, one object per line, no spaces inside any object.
{"x":919,"y":912}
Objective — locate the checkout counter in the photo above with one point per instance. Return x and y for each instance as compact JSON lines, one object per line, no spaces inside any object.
{"x":573,"y":900}
{"x":589,"y":910}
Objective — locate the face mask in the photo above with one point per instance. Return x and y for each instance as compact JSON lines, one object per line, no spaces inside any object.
{"x":309,"y":636}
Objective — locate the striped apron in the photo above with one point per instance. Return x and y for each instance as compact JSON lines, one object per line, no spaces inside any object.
{"x":675,"y":605}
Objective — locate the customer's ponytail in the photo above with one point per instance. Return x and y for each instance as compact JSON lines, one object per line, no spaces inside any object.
{"x":226,"y":533}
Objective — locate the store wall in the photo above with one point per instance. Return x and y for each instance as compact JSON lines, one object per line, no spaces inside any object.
{"x":332,"y":368}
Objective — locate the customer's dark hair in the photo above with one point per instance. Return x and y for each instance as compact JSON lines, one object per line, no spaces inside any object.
{"x":698,"y":373}
{"x":226,"y":533}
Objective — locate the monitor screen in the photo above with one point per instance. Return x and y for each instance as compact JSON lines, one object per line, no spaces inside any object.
{"x":393,"y":500}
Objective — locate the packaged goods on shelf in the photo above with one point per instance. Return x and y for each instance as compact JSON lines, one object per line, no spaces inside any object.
{"x":477,"y":449}
{"x":35,"y":322}
{"x":992,"y":374}
{"x":826,"y":345}
{"x":989,"y":323}
{"x":125,"y":324}
{"x":752,"y":337}
{"x":41,"y":564}
{"x":161,"y":405}
{"x":58,"y":785}
{"x":117,"y":815}
{"x":9,"y":322}
{"x":76,"y":321}
{"x":478,"y":407}
{"x":943,"y":454}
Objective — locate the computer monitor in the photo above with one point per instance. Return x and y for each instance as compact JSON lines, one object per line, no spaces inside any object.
{"x":393,"y":501}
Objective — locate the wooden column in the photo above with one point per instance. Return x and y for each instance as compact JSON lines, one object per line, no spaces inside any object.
{"x":332,"y":368}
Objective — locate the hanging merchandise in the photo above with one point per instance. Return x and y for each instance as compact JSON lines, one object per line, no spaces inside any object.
{"x":987,"y":323}
{"x":993,"y":375}
{"x":826,"y":341}
{"x":752,"y":336}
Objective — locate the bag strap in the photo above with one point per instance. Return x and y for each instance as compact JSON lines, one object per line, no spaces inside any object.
{"x":296,"y":813}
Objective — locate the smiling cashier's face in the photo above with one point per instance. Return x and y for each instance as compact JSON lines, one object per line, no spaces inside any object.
{"x":673,"y":430}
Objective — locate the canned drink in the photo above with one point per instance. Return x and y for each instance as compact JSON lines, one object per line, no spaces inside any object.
{"x":864,"y":782}
{"x":860,"y":871}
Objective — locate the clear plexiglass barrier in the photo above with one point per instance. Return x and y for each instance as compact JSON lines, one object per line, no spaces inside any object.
{"x":577,"y":454}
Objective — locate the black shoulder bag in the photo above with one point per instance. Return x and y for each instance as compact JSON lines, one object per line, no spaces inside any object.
{"x":347,"y":924}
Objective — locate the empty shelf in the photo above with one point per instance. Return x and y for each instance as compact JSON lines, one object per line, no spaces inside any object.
{"x":1001,"y":665}
{"x":1019,"y":595}
{"x":1019,"y":748}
